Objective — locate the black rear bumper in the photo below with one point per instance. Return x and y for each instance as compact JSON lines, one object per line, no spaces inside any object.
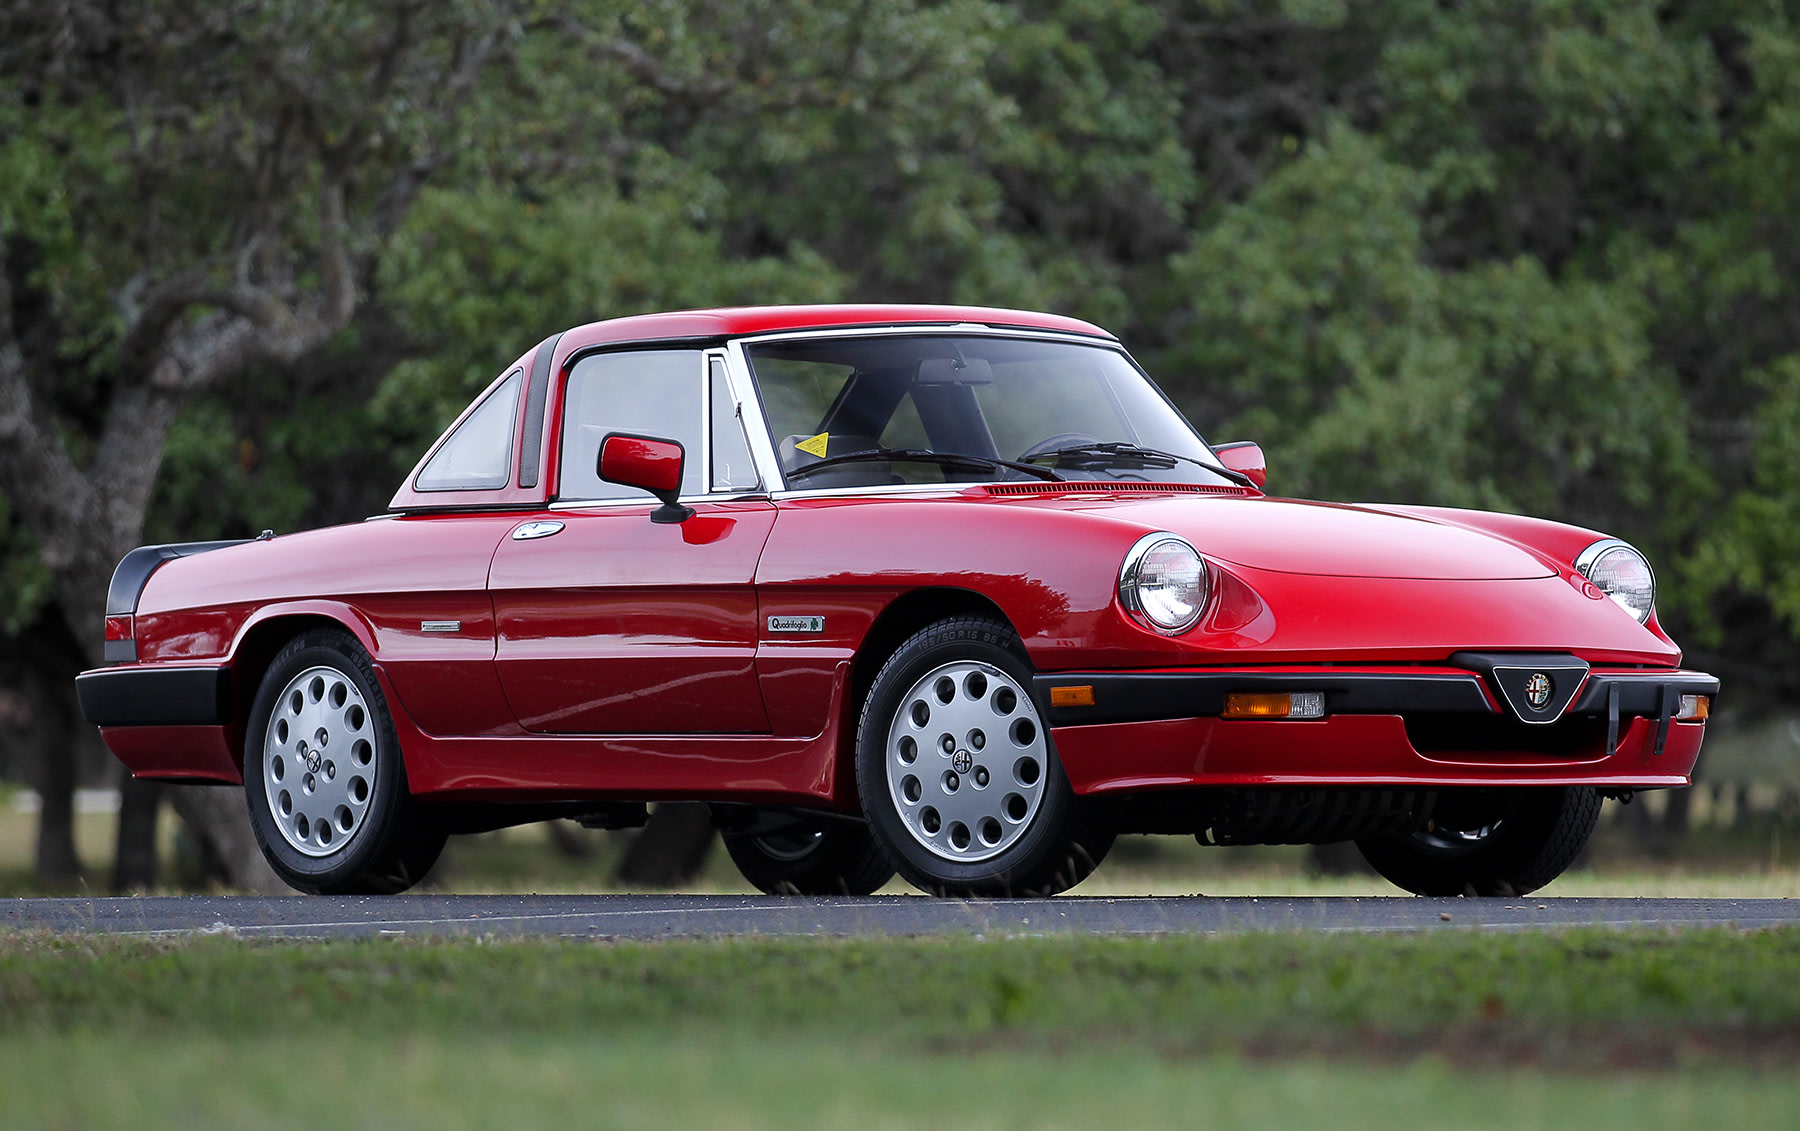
{"x":155,"y":696}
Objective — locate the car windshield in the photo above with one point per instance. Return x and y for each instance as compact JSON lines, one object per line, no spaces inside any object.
{"x":891,"y":409}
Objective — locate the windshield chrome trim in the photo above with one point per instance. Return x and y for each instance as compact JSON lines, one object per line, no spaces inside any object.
{"x":931,"y":329}
{"x":762,"y":444}
{"x":889,"y":489}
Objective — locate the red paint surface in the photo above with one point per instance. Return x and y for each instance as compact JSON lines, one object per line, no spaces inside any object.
{"x":179,"y":753}
{"x":1345,"y":750}
{"x":618,"y":625}
{"x":622,"y":658}
{"x":654,"y":465}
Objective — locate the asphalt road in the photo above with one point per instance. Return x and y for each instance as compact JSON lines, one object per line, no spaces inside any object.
{"x":692,"y":916}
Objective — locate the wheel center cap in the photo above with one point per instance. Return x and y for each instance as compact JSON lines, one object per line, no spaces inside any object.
{"x":961,"y":761}
{"x":313,"y":761}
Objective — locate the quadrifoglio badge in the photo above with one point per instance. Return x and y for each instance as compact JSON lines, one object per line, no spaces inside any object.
{"x":797,"y":624}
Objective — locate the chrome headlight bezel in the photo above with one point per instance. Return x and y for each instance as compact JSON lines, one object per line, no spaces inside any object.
{"x":1132,"y":581}
{"x":1589,"y":561}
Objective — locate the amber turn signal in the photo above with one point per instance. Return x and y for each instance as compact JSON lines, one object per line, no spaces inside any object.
{"x":1257,"y":705}
{"x":1081,"y":695}
{"x":1275,"y":705}
{"x":1694,"y":708}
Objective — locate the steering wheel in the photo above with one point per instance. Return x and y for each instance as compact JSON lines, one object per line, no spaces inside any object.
{"x":1052,"y":443}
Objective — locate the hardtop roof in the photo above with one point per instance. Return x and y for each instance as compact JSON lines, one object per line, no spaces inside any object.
{"x":738,"y":321}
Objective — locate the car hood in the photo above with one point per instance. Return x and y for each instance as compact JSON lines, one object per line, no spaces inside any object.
{"x":1331,"y":540}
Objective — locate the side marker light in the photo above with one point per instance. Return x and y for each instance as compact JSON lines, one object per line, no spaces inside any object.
{"x":1081,"y":695}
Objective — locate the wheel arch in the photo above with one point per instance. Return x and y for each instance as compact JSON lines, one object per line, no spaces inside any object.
{"x":265,"y":634}
{"x":902,"y":617}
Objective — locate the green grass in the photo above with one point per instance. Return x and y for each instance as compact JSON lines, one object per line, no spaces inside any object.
{"x":1467,"y":1029}
{"x":341,"y":1080}
{"x":1299,"y":990}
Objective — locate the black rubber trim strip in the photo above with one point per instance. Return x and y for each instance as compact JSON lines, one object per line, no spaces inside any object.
{"x":135,"y":568}
{"x":128,"y":697}
{"x":1640,"y":695}
{"x":1149,"y":696}
{"x":537,"y":392}
{"x":134,"y":571}
{"x":1670,"y":698}
{"x":1612,"y":718}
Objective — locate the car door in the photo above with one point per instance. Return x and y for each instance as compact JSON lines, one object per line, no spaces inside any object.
{"x":608,"y":623}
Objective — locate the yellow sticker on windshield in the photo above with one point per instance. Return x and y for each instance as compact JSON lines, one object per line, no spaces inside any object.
{"x":815,"y":445}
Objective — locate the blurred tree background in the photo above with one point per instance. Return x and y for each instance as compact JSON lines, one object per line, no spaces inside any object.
{"x":1531,"y":255}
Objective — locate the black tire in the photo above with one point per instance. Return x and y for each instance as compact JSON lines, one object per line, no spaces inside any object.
{"x":1056,"y":841}
{"x":1490,"y":842}
{"x":811,"y":858}
{"x":385,"y":841}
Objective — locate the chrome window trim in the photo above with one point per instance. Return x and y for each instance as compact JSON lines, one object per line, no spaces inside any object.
{"x":928,"y":329}
{"x":957,"y":488}
{"x":614,"y":504}
{"x":762,"y":448}
{"x":705,"y":371}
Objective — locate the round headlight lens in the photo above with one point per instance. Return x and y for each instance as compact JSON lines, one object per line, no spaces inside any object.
{"x":1620,"y":572}
{"x":1163,"y":583}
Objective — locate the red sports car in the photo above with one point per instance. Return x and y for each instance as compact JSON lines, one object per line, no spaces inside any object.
{"x":949,"y":591}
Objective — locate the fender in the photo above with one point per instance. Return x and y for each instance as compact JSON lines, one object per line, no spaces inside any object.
{"x":127,"y":586}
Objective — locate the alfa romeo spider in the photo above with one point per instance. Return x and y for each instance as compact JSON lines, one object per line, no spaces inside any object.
{"x":951,"y":592}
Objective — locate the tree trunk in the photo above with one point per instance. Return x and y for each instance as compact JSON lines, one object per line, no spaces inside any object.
{"x":1340,"y":859}
{"x":217,"y":814}
{"x":671,"y":849}
{"x":134,"y":862}
{"x":58,"y":866}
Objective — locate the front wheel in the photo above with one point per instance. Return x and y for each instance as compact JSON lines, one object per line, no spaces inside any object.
{"x":323,"y":775}
{"x":957,"y":773}
{"x":1503,"y":842}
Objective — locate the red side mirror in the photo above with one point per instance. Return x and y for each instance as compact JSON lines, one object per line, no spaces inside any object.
{"x":1244,"y":457}
{"x":648,"y":463}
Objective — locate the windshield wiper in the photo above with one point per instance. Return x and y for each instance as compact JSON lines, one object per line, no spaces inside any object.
{"x":958,"y":460}
{"x":1087,"y":457}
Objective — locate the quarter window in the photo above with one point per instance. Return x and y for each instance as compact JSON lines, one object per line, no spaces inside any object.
{"x":478,"y":455}
{"x":644,"y":392}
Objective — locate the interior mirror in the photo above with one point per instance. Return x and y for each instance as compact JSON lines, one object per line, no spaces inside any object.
{"x":1246,"y":457}
{"x":955,"y":371}
{"x":649,"y":463}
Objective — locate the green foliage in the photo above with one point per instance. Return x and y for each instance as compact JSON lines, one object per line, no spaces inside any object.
{"x":1537,"y":255}
{"x":479,"y":276}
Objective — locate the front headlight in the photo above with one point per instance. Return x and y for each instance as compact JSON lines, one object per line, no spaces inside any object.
{"x":1620,"y":572}
{"x":1164,"y":583}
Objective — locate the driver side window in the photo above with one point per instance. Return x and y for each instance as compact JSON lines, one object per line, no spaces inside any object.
{"x":643,"y":392}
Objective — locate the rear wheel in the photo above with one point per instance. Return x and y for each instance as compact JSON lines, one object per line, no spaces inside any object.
{"x":811,"y":857}
{"x":1490,"y":842}
{"x":324,"y":778}
{"x":958,"y":775}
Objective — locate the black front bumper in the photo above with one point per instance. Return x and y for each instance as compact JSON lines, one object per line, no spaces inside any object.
{"x":155,"y":696}
{"x":1443,"y":710}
